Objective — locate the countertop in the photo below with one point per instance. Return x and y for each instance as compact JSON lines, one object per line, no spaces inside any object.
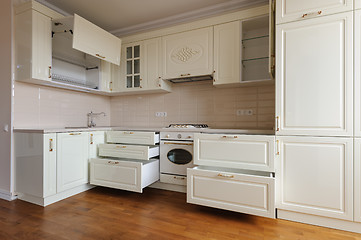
{"x":202,"y":130}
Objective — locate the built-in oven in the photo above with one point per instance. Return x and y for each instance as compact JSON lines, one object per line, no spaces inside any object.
{"x":176,"y":155}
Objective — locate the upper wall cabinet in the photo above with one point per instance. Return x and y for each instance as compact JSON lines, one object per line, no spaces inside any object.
{"x":141,"y":68}
{"x":243,"y":53}
{"x":95,"y":41}
{"x":188,"y":54}
{"x":314,"y":93}
{"x":294,"y":10}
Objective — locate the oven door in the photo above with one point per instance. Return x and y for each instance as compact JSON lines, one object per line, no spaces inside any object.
{"x":176,"y":157}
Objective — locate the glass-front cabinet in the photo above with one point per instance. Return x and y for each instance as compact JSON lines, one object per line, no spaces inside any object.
{"x":133,"y":66}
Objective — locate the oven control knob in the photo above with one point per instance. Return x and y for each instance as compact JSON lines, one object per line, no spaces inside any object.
{"x":189,"y":137}
{"x":179,"y":136}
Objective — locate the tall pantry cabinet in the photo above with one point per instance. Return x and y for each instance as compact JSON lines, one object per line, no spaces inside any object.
{"x":317,"y":129}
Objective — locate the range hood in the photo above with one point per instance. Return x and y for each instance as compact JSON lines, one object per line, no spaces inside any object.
{"x":191,"y":79}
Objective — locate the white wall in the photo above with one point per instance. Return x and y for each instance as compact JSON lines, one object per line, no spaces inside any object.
{"x":5,"y":97}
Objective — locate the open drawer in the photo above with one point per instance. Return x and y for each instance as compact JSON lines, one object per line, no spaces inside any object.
{"x":126,"y":175}
{"x":130,"y":137}
{"x":128,"y":151}
{"x":253,"y":152}
{"x":248,"y":192}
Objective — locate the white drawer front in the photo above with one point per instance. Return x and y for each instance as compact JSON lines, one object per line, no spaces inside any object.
{"x":231,"y":191}
{"x":128,"y":151}
{"x":235,"y":151}
{"x":125,"y":175}
{"x":130,"y":137}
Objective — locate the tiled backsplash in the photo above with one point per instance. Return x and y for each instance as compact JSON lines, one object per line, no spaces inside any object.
{"x":45,"y":107}
{"x":198,"y":102}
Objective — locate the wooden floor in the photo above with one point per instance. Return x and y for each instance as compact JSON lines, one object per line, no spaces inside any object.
{"x":104,"y":213}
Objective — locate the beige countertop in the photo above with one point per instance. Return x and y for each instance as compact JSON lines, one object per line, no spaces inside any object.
{"x":115,"y":128}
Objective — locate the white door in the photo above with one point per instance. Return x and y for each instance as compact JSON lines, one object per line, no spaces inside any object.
{"x":152,"y":63}
{"x":293,"y":10}
{"x":357,"y":181}
{"x":314,"y":93}
{"x":95,"y":41}
{"x":227,"y":53}
{"x":357,"y":56}
{"x":188,"y":53}
{"x":49,"y":164}
{"x":72,"y":160}
{"x":314,"y":175}
{"x":95,"y":138}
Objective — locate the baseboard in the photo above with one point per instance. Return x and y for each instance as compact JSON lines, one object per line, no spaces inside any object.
{"x":319,"y":221}
{"x":169,"y":187}
{"x":6,"y":195}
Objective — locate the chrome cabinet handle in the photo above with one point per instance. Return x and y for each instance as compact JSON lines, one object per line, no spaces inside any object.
{"x":172,"y":143}
{"x":225,"y":175}
{"x":311,"y":14}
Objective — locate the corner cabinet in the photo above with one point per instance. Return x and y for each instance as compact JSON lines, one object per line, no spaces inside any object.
{"x":188,"y":54}
{"x":294,"y":10}
{"x":72,"y":160}
{"x":314,"y":93}
{"x":315,"y":176}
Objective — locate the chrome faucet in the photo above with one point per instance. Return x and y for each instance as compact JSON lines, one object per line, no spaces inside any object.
{"x":91,"y":115}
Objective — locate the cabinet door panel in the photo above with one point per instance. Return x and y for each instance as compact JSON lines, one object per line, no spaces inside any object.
{"x":188,"y":54}
{"x":293,"y":10}
{"x":95,"y":138}
{"x":357,"y":182}
{"x":49,"y":167}
{"x":152,"y":63}
{"x":314,"y":77}
{"x":72,"y":156}
{"x":357,"y":114}
{"x":315,"y":176}
{"x":227,"y":53}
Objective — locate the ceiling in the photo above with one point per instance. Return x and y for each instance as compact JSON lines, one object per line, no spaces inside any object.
{"x":123,"y":17}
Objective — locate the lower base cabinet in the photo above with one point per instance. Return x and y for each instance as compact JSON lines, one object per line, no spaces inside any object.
{"x":131,"y":175}
{"x":357,"y":181}
{"x":314,"y":175}
{"x":243,"y":191}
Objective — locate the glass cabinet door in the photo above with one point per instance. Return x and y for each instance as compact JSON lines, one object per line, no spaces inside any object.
{"x":133,"y":79}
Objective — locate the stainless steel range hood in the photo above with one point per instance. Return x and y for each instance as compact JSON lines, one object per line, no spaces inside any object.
{"x":191,"y":79}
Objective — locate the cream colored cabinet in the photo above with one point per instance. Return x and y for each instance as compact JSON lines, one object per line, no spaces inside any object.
{"x":35,"y":166}
{"x":253,"y":152}
{"x":128,"y":151}
{"x":315,"y":176}
{"x":132,"y":68}
{"x":110,"y":77}
{"x":126,"y":175}
{"x":33,"y":45}
{"x":95,"y":138}
{"x":72,"y":160}
{"x":357,"y":57}
{"x":133,"y":137}
{"x":314,"y":93}
{"x":234,"y":190}
{"x":357,"y":4}
{"x":188,"y":54}
{"x":95,"y":41}
{"x":294,"y":10}
{"x":357,"y":181}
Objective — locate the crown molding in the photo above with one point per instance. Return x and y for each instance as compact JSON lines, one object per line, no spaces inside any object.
{"x":187,"y":17}
{"x":55,"y":8}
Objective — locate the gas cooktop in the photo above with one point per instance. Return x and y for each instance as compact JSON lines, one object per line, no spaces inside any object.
{"x":189,"y":126}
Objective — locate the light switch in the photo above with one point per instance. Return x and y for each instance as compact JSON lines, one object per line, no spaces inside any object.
{"x":6,"y":128}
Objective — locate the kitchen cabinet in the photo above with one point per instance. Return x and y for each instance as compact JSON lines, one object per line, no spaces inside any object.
{"x":95,"y":138}
{"x":35,"y":165}
{"x":110,"y":78}
{"x":315,"y":176}
{"x":357,"y":57}
{"x":72,"y":160}
{"x":314,"y":93}
{"x":33,"y":44}
{"x":128,"y":151}
{"x":294,"y":10}
{"x":251,"y":152}
{"x":188,"y":53}
{"x":357,"y":181}
{"x":357,"y":4}
{"x":233,"y":190}
{"x":95,"y":41}
{"x":126,"y":175}
{"x":142,"y":67}
{"x":133,"y":137}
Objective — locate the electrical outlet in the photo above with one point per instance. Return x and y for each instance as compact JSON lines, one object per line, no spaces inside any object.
{"x":242,"y":112}
{"x":161,"y":114}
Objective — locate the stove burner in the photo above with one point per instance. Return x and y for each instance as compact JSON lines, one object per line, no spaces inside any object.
{"x":188,"y":126}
